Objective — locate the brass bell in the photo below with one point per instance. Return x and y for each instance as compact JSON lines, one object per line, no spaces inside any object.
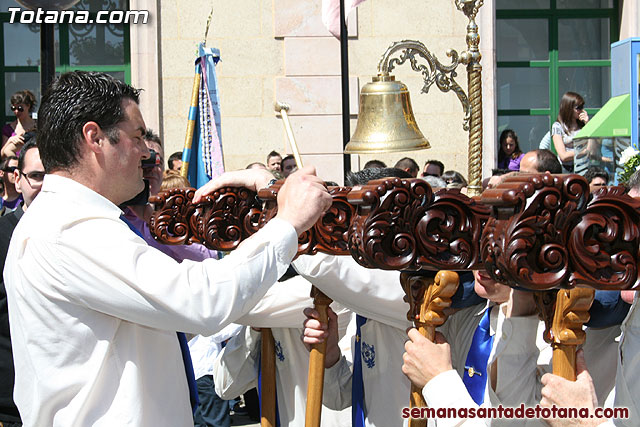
{"x":385,"y":120}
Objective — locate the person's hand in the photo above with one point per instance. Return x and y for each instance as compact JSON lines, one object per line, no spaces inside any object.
{"x":423,"y":359}
{"x":577,"y":394}
{"x":303,"y":199}
{"x":583,"y":117}
{"x":316,"y":332}
{"x":253,"y":179}
{"x":17,"y":140}
{"x":496,"y":180}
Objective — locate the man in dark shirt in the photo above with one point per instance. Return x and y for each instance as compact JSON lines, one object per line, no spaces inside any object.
{"x":28,"y":181}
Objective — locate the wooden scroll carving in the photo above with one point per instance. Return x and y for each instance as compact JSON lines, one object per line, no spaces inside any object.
{"x":545,"y":231}
{"x":393,"y":223}
{"x":329,"y":234}
{"x":548,"y":231}
{"x":400,"y":224}
{"x":604,"y":244}
{"x":176,"y":219}
{"x":220,"y":222}
{"x":230,"y":215}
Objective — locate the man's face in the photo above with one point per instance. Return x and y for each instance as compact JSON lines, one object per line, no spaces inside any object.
{"x":488,"y":288}
{"x":431,"y":170}
{"x":8,"y":176}
{"x":176,"y":165}
{"x":289,"y":167}
{"x":274,"y":163}
{"x":529,"y":163}
{"x":154,"y":174}
{"x":123,"y":160}
{"x":597,"y":183}
{"x":29,"y":180}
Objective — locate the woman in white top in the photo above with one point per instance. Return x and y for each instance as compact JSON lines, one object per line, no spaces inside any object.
{"x":571,"y":118}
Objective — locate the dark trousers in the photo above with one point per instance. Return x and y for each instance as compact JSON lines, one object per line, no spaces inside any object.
{"x":212,"y":411}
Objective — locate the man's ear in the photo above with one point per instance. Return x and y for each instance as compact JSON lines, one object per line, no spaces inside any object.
{"x":17,"y":177}
{"x":93,"y":136}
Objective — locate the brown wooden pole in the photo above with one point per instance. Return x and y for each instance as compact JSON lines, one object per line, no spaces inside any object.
{"x":268,"y":383}
{"x":316,"y":364}
{"x":571,"y":312}
{"x":428,"y":298}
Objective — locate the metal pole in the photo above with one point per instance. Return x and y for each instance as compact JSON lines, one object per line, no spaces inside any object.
{"x":344,"y":71}
{"x":47,"y":59}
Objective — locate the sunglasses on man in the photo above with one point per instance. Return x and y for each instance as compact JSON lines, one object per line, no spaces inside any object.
{"x":17,"y":107}
{"x":34,"y":178}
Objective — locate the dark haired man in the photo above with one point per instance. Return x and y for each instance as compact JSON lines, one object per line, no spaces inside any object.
{"x":365,"y":175}
{"x":289,"y":165}
{"x":274,"y":161}
{"x":175,"y":161}
{"x":11,"y":198}
{"x":597,"y":177}
{"x":82,"y":282}
{"x":433,"y":168}
{"x":374,"y":164}
{"x":28,"y":181}
{"x":409,"y":165}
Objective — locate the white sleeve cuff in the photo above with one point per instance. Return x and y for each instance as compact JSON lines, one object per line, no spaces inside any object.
{"x":447,"y":390}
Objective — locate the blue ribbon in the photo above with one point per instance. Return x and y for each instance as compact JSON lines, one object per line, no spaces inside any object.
{"x":184,"y":347}
{"x":357,"y":385}
{"x":475,"y":375}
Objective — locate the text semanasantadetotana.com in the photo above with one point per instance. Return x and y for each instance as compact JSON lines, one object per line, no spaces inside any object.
{"x":518,"y":412}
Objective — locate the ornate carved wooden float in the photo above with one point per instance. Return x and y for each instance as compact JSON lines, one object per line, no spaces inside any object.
{"x":538,"y":232}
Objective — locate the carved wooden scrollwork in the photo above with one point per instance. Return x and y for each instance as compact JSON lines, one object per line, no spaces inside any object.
{"x":228,"y":216}
{"x":548,"y":231}
{"x":450,"y":232}
{"x":604,"y":244}
{"x":176,"y":219}
{"x":529,"y":248}
{"x":329,"y":233}
{"x":402,"y":225}
{"x":545,"y":231}
{"x":221,"y":221}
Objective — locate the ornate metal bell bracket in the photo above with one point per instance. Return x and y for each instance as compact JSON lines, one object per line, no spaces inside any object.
{"x":434,"y":72}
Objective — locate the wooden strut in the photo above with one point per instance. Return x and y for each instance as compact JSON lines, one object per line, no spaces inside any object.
{"x":316,"y":364}
{"x":427,"y":298}
{"x":571,"y":312}
{"x":268,"y":381}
